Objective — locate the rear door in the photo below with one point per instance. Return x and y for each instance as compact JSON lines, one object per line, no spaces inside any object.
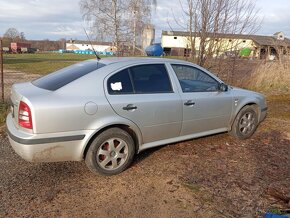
{"x":144,"y":94}
{"x":205,"y":109}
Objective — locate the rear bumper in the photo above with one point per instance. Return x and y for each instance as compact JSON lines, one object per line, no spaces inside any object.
{"x":51,"y":147}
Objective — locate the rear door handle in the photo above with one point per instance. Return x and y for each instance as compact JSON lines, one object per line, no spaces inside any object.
{"x":189,"y":103}
{"x":130,"y":107}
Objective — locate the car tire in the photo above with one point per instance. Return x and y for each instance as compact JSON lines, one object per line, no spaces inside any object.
{"x":111,"y":152}
{"x":245,"y":123}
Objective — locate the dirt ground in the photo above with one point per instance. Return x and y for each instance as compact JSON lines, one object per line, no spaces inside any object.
{"x":215,"y":176}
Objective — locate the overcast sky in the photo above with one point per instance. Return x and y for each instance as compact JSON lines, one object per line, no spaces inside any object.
{"x":55,"y":19}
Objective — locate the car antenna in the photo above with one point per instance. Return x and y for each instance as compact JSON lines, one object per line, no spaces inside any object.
{"x":98,"y":57}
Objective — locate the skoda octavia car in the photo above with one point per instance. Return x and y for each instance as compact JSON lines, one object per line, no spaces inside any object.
{"x":106,"y":111}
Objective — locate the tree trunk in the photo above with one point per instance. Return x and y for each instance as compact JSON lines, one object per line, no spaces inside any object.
{"x":116,"y":26}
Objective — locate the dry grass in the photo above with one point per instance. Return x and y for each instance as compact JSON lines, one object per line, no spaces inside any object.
{"x":279,"y":106}
{"x":4,"y":109}
{"x":272,"y":76}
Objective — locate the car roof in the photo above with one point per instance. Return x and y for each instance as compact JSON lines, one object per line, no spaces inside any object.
{"x":113,"y":60}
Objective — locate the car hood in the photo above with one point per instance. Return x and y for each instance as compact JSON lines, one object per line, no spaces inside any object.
{"x":246,"y":92}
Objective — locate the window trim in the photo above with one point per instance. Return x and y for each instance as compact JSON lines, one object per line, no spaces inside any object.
{"x":132,"y":83}
{"x":218,"y":82}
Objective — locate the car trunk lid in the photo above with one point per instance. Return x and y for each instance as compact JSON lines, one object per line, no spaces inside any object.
{"x":23,"y":92}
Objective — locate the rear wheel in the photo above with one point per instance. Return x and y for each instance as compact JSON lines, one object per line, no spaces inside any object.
{"x":111,"y":152}
{"x":245,"y":123}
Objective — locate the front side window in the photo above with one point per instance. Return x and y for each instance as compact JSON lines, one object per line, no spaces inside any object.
{"x":192,"y":79}
{"x":141,"y":79}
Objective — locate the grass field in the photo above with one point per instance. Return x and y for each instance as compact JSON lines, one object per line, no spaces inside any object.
{"x":42,"y":63}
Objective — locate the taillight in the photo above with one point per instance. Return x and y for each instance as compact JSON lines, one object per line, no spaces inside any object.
{"x":24,"y":116}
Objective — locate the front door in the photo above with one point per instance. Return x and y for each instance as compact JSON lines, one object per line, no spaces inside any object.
{"x":144,"y":95}
{"x":205,"y":108}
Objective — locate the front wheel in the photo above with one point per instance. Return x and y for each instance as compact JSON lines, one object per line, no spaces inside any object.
{"x":111,"y":152}
{"x":245,"y":123}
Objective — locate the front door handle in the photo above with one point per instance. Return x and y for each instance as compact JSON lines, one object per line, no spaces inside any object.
{"x":130,"y":107}
{"x":189,"y":103}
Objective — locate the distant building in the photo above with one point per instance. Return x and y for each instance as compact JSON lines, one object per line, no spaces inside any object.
{"x":20,"y":47}
{"x":177,"y":43}
{"x":73,"y":45}
{"x":6,"y":49}
{"x":280,"y":36}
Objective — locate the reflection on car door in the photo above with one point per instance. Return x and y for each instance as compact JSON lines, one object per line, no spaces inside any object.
{"x":205,"y":108}
{"x":144,"y":95}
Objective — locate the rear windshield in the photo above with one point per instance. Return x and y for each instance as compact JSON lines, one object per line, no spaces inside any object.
{"x":66,"y":75}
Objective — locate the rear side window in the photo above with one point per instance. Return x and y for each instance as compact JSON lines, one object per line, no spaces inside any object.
{"x":142,"y":79}
{"x":120,"y":83}
{"x":66,"y":75}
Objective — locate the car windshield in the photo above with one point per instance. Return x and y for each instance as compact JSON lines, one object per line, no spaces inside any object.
{"x":66,"y":75}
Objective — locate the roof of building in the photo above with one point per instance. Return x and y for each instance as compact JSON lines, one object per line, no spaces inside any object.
{"x":88,"y":43}
{"x":277,"y":33}
{"x":259,"y":39}
{"x":72,"y":47}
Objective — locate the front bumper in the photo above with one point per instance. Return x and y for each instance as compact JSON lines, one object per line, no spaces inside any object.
{"x":51,"y":147}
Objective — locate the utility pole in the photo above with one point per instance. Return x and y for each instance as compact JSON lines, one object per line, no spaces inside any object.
{"x":2,"y":72}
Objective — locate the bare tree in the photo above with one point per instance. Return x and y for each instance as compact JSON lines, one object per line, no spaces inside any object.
{"x":106,"y":16}
{"x":12,"y":34}
{"x":281,"y":51}
{"x":208,"y":20}
{"x":122,"y":19}
{"x":22,"y":36}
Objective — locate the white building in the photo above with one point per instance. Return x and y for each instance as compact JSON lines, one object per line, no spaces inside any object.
{"x":73,"y":45}
{"x":178,"y":43}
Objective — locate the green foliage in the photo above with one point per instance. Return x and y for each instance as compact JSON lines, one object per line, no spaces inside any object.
{"x":275,"y":211}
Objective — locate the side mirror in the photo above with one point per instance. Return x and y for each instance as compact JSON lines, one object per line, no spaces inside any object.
{"x":223,"y":87}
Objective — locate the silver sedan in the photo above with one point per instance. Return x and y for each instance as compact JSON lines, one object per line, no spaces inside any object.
{"x":106,"y":111}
